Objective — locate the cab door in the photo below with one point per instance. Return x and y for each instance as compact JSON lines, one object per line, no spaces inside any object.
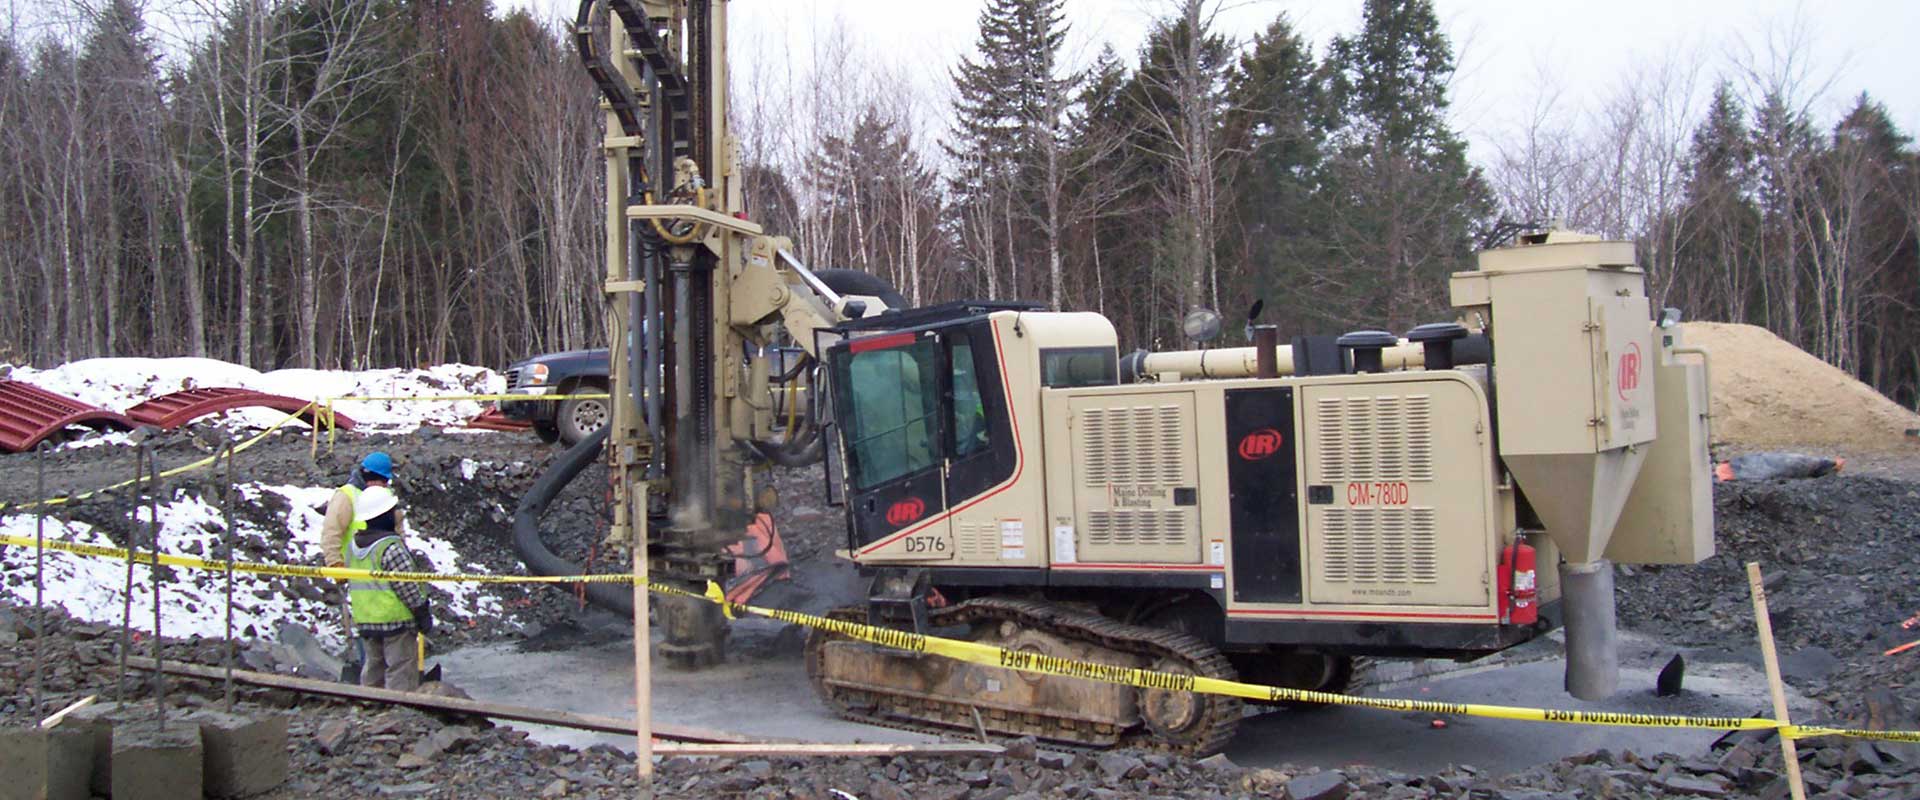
{"x":890,"y":409}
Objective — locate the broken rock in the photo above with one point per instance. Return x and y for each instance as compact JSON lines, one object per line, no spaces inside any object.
{"x":1330,"y":785}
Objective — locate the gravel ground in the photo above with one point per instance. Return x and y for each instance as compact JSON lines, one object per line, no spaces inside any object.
{"x":1841,"y":559}
{"x":1842,"y":553}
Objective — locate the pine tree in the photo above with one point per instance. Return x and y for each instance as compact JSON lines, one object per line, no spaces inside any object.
{"x":1400,"y":202}
{"x":1009,"y":110}
{"x":1717,"y":220}
{"x":1275,"y":103}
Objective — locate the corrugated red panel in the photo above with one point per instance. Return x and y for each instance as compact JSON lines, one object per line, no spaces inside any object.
{"x":173,"y":410}
{"x":29,"y":414}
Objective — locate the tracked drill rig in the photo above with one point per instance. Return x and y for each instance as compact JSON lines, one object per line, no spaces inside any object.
{"x":1270,"y":513}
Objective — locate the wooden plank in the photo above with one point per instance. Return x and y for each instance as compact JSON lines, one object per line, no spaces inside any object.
{"x":778,"y":749}
{"x":1787,"y":749}
{"x":563,"y":719}
{"x":83,"y":702}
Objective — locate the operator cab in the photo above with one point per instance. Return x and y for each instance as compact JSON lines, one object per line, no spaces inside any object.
{"x":920,"y":411}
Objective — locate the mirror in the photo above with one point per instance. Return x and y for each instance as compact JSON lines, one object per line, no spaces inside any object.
{"x":1202,"y":325}
{"x":1253,"y":312}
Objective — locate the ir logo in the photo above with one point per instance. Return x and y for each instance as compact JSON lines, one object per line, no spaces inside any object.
{"x":905,"y":511}
{"x":1259,"y":444}
{"x":1627,"y":377}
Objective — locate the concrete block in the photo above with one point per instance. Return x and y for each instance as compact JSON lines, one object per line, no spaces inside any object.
{"x":97,"y":721}
{"x":45,"y":764}
{"x":244,"y":755}
{"x":155,"y":763}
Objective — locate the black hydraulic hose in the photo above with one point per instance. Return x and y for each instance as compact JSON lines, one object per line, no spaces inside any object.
{"x":615,"y":597}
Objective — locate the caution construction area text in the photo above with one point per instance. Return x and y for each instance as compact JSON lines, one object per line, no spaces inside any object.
{"x":989,"y":655}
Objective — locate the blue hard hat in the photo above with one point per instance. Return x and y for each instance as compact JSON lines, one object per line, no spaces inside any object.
{"x":379,"y":464}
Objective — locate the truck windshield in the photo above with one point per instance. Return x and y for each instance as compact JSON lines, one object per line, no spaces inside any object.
{"x":890,"y":411}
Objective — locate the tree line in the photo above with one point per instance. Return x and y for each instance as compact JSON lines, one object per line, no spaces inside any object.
{"x":375,"y":182}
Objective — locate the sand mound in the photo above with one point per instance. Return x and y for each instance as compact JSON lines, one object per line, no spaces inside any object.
{"x":1768,"y":393}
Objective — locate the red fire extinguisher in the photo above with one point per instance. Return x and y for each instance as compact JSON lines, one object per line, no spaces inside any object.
{"x":1519,"y":592}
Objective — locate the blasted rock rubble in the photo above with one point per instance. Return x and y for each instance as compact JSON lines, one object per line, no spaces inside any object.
{"x":343,"y":750}
{"x":1840,"y":552}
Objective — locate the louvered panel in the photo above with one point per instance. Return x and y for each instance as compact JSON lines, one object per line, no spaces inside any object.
{"x":1393,"y":545}
{"x":1365,"y":553}
{"x":1138,"y":445}
{"x":1336,"y":546}
{"x":1095,"y":448}
{"x":1379,"y":545}
{"x":1390,"y":438}
{"x":1423,"y":552}
{"x":976,"y":541}
{"x":1362,"y":463}
{"x":1330,"y":432}
{"x":1419,"y":437}
{"x":1166,"y":447}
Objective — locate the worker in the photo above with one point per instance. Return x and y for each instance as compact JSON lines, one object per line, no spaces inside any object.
{"x":374,"y":470}
{"x":386,"y":614}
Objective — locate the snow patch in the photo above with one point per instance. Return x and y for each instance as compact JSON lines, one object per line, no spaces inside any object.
{"x":193,"y":601}
{"x":122,"y":383}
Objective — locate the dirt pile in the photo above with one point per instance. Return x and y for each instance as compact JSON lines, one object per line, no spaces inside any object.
{"x":1768,"y":393}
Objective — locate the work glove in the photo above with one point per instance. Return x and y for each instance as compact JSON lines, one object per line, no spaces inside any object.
{"x":423,"y":619}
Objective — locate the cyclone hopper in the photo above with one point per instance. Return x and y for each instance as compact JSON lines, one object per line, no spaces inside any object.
{"x":1573,"y":433}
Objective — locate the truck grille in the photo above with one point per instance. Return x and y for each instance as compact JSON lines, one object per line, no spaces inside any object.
{"x":513,"y":379}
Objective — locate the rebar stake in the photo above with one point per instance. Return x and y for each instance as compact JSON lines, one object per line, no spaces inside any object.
{"x":227,"y":508}
{"x":39,"y":694}
{"x":153,"y":542}
{"x":126,"y":598}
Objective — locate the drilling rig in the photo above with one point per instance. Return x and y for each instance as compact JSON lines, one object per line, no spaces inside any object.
{"x":1269,"y":513}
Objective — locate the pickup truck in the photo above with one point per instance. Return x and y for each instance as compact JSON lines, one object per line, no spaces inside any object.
{"x":590,"y":372}
{"x":571,"y":372}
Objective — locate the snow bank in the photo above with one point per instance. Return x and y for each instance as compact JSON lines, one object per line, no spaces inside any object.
{"x":121,"y":383}
{"x":192,"y":601}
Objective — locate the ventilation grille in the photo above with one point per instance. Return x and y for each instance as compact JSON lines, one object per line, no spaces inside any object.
{"x":1132,"y":528}
{"x":1384,"y":438}
{"x":1133,"y":445}
{"x":976,"y":541}
{"x":1379,"y":545}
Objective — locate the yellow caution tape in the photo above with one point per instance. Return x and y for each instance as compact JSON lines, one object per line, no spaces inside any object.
{"x":989,"y":655}
{"x":302,"y":571}
{"x":202,"y":463}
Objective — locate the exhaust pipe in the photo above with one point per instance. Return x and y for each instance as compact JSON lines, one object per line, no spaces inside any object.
{"x":1593,"y":637}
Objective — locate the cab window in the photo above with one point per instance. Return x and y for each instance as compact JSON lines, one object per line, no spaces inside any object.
{"x":969,"y":412}
{"x":1068,"y":367}
{"x":893,"y":400}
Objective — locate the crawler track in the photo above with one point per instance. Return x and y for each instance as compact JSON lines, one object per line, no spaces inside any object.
{"x":1210,"y":727}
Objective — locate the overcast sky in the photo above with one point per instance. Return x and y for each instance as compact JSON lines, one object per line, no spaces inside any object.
{"x":1510,"y":52}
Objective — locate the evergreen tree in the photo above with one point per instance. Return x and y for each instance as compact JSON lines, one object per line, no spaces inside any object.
{"x":1717,"y":219}
{"x":1400,"y":203}
{"x":1009,"y":111}
{"x":1275,"y":103}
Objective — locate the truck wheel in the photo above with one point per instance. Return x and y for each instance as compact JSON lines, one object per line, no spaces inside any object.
{"x":581,"y":418}
{"x":547,"y":431}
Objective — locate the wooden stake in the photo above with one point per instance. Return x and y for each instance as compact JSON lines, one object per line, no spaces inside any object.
{"x":1787,"y":749}
{"x":454,"y":705}
{"x":827,"y":750}
{"x":53,"y":720}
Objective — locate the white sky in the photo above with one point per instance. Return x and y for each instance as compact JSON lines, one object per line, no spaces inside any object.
{"x":1510,"y":52}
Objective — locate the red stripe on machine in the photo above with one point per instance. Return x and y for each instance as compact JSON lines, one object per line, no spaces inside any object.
{"x":864,"y":344}
{"x":1297,"y":613}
